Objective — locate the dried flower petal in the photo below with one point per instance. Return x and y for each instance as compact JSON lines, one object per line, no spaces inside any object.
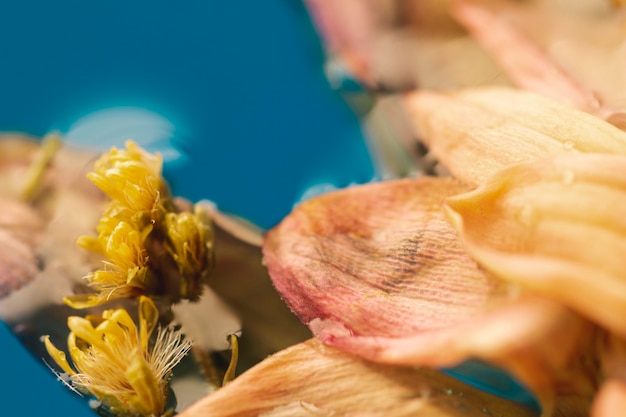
{"x":556,"y":226}
{"x":477,"y":132}
{"x":310,"y":379}
{"x":378,"y":271}
{"x":383,"y":247}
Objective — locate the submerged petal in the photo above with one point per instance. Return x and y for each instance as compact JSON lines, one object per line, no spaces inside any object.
{"x":378,"y":271}
{"x":310,"y":379}
{"x":556,"y":226}
{"x":477,"y":132}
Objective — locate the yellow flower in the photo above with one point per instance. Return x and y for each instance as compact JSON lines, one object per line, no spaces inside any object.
{"x":126,"y":272}
{"x":112,"y":216}
{"x":141,"y":224}
{"x":115,"y":362}
{"x":133,"y":178}
{"x":190,"y":243}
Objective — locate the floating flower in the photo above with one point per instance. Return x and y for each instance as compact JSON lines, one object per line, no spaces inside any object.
{"x":120,"y":364}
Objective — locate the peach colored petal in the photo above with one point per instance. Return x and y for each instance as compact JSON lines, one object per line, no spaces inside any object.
{"x":555,"y":226}
{"x":310,"y":379}
{"x":477,"y":132}
{"x":376,"y":271}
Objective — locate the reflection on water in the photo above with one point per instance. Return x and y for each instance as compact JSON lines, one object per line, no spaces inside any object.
{"x":113,"y":126}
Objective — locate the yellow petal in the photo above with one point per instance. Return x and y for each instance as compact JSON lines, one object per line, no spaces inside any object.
{"x":84,"y":330}
{"x":90,"y":243}
{"x":77,"y":354}
{"x":310,"y":379}
{"x":148,"y":316}
{"x":477,"y":132}
{"x":150,"y":397}
{"x":81,"y":301}
{"x":58,"y":356}
{"x":118,"y":324}
{"x":556,"y":226}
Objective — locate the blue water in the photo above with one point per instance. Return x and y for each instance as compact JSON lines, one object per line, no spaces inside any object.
{"x":232,"y":92}
{"x":240,"y":82}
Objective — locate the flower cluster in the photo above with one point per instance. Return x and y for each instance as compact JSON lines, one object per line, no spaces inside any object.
{"x":149,"y":247}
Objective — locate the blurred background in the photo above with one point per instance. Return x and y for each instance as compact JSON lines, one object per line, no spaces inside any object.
{"x":233,"y":93}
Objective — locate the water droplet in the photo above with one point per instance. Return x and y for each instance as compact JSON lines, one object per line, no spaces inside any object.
{"x":567,"y":177}
{"x":568,"y":145}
